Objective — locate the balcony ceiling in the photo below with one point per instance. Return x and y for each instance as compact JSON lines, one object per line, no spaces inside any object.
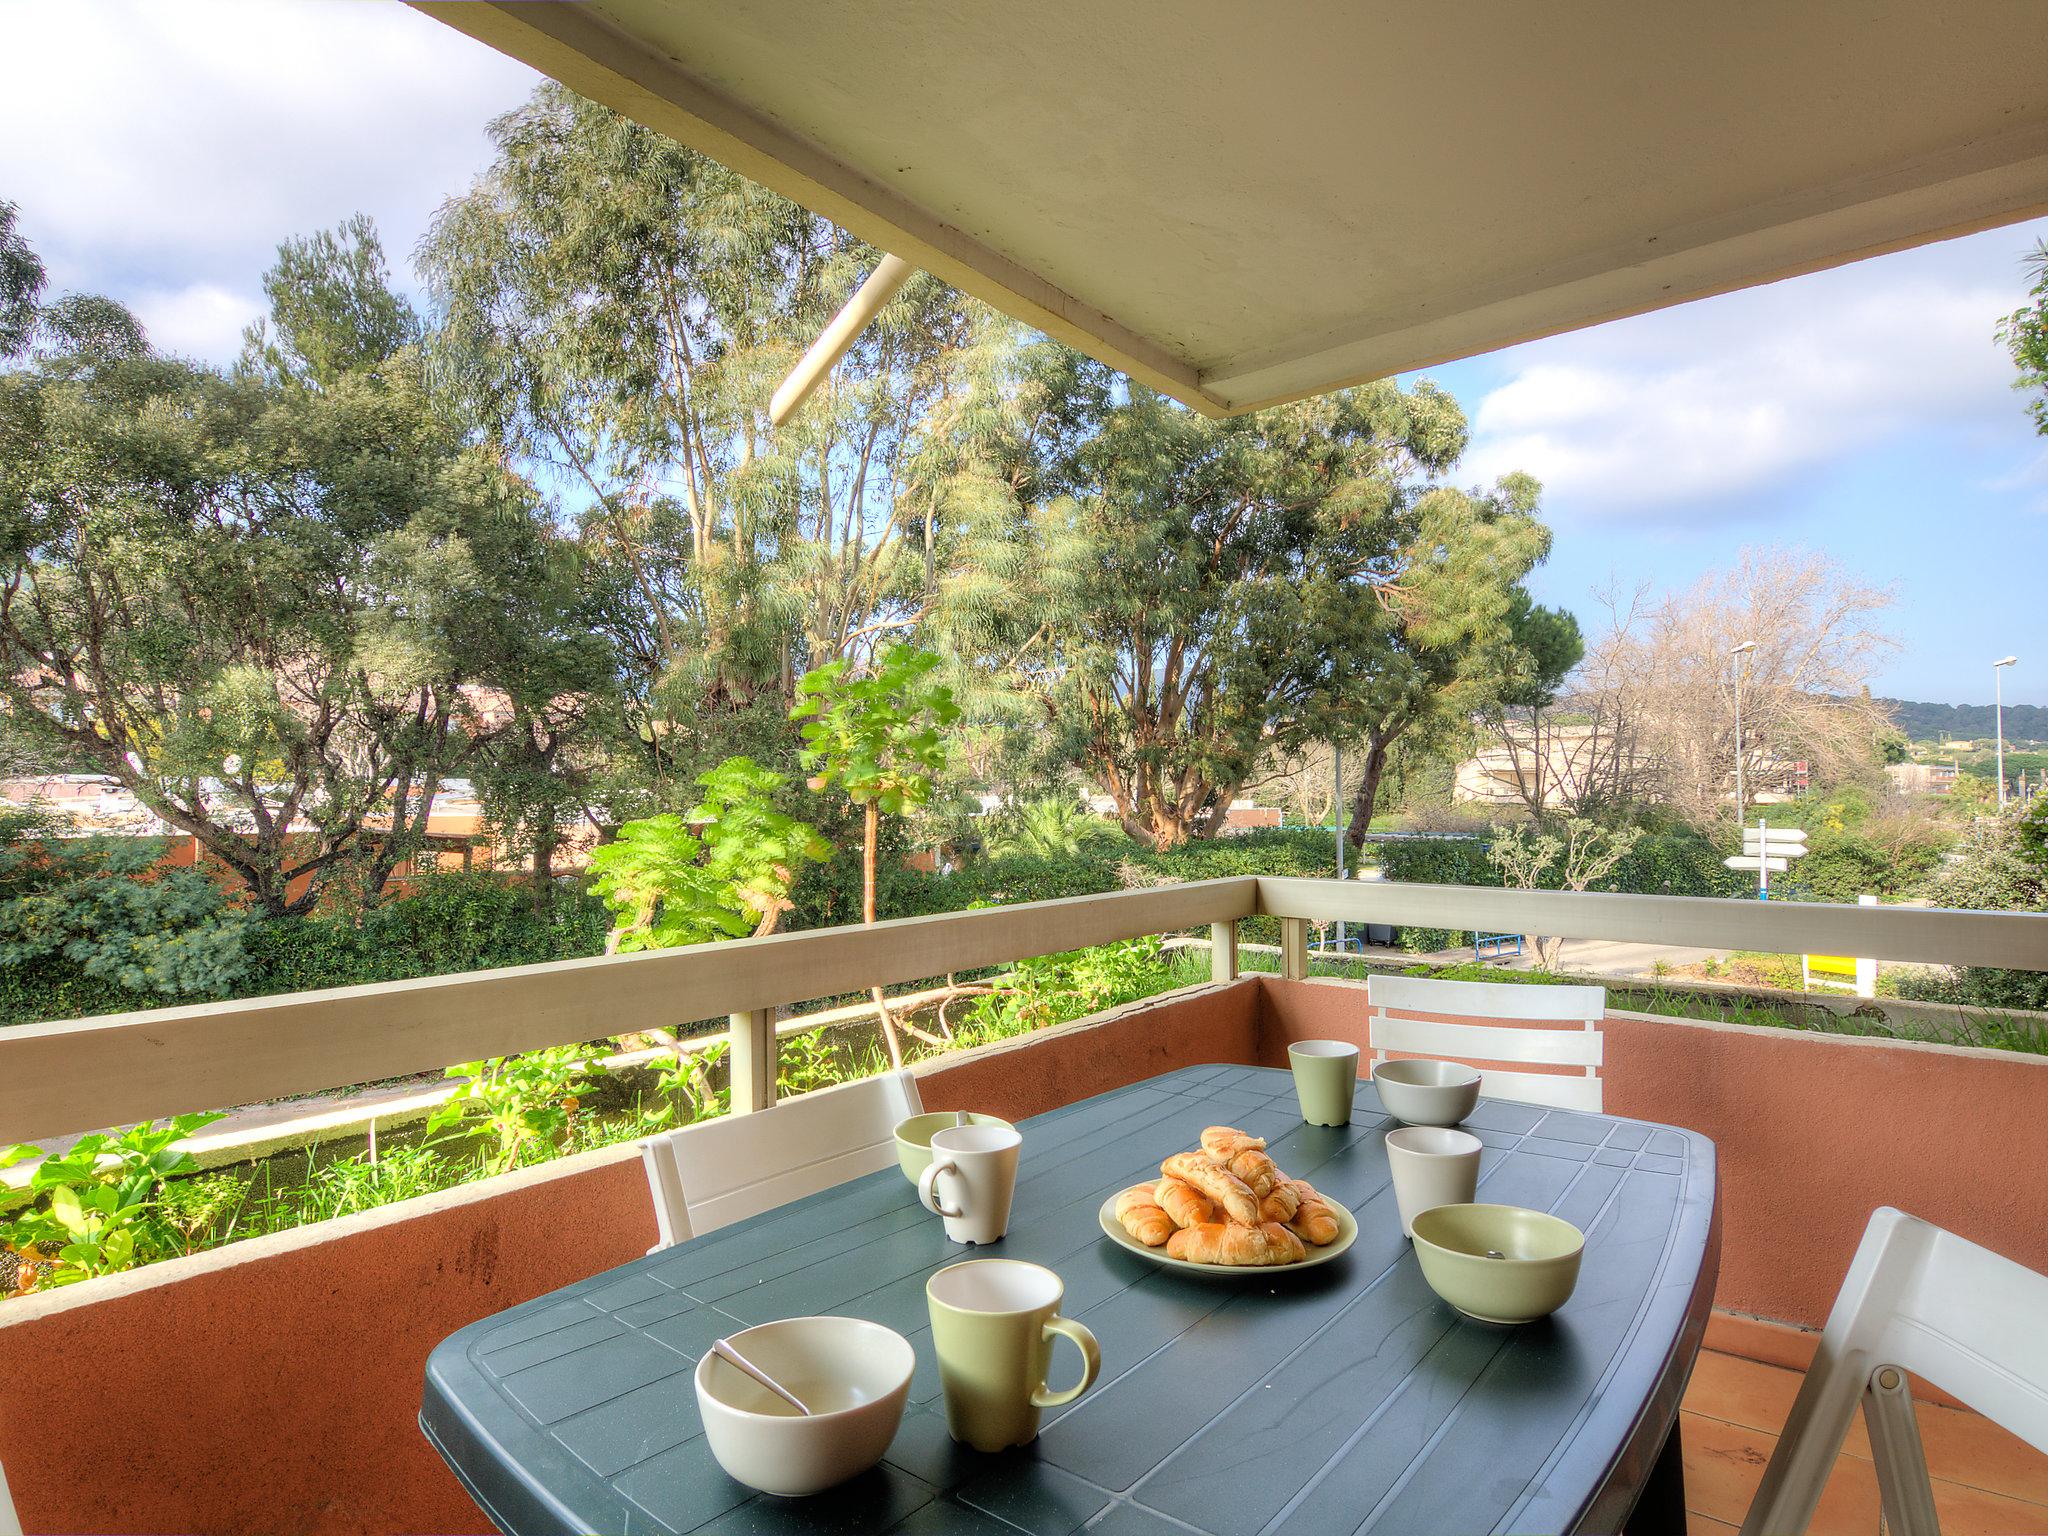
{"x":1244,"y":204}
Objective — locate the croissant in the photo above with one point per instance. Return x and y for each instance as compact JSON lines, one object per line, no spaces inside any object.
{"x":1314,"y":1221}
{"x":1280,"y":1203}
{"x":1143,"y":1219}
{"x":1258,"y":1171}
{"x":1215,"y":1243}
{"x":1223,"y":1142}
{"x":1187,"y":1206}
{"x":1219,"y":1184}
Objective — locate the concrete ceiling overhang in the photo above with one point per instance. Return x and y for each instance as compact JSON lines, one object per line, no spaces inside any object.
{"x":1241,"y":204}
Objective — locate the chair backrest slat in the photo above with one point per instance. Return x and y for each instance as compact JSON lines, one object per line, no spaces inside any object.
{"x":1548,"y":1090}
{"x":1579,"y":1047}
{"x":1489,"y":999}
{"x":1452,"y":1031}
{"x":710,"y":1175}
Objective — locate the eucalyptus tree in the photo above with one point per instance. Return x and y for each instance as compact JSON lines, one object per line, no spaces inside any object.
{"x":264,"y":601}
{"x":1170,"y":602}
{"x":2024,"y":333}
{"x":621,"y":308}
{"x":21,"y":285}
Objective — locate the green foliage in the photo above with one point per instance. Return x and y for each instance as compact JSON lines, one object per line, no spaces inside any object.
{"x":620,"y":308}
{"x":1182,"y":597}
{"x":262,"y":601}
{"x":688,"y":1079}
{"x":1842,"y":865}
{"x":1050,"y":827}
{"x":519,"y":1102}
{"x":1053,"y":989}
{"x":2024,"y":333}
{"x":94,"y":1203}
{"x":2001,"y":866}
{"x":1966,"y":722}
{"x":332,"y":312}
{"x":806,"y":1063}
{"x":21,"y":285}
{"x":879,"y":736}
{"x":448,"y":923}
{"x":724,"y":871}
{"x":100,"y":907}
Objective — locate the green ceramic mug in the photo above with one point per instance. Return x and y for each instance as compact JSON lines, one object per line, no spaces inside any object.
{"x":1325,"y":1078}
{"x":993,"y":1323}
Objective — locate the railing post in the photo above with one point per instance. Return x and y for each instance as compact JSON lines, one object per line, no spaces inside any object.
{"x":753,"y":1060}
{"x":1223,"y":951}
{"x":1294,"y":948}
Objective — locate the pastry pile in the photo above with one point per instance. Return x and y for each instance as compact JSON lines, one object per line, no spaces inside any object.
{"x":1227,"y":1203}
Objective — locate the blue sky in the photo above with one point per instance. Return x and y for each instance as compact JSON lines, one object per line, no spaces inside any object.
{"x":1865,"y":412}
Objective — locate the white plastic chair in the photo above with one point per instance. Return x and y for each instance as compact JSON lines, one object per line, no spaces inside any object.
{"x":1916,"y":1299}
{"x":10,"y":1522}
{"x":711,"y":1175}
{"x":1391,"y":1002}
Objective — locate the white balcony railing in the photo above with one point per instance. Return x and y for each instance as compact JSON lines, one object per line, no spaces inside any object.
{"x":83,"y":1074}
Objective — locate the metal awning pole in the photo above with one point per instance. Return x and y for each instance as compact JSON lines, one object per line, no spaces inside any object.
{"x":890,"y":274}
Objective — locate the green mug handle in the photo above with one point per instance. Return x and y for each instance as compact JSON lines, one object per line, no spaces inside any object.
{"x":1091,"y":1362}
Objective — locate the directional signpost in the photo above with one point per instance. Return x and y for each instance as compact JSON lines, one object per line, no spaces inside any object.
{"x":1769,"y":851}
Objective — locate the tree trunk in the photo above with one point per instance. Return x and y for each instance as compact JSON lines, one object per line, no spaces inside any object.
{"x":869,"y":830}
{"x":543,"y":869}
{"x":1368,"y":790}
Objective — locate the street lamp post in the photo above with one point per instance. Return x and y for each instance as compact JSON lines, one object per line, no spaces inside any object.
{"x":1998,"y":718}
{"x":1737,"y":653}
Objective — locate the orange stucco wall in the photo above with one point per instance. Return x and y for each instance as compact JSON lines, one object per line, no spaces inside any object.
{"x":1812,"y":1133}
{"x":278,"y":1393}
{"x":272,"y":1386}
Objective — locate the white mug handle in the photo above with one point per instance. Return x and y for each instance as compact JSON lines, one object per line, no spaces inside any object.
{"x":928,"y":1189}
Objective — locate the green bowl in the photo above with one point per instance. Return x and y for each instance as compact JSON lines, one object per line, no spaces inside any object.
{"x":1534,"y":1275}
{"x":914,"y":1138}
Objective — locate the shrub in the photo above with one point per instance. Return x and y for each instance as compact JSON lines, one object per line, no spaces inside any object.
{"x":447,"y":923}
{"x":100,"y":924}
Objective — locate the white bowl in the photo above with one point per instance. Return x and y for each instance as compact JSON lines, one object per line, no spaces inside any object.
{"x":1424,"y":1092}
{"x":853,"y":1375}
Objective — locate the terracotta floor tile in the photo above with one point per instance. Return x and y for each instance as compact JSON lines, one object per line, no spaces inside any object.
{"x":1702,"y":1525}
{"x":1962,"y":1447}
{"x":1741,"y":1391}
{"x":1969,"y":1449}
{"x":1724,"y":1463}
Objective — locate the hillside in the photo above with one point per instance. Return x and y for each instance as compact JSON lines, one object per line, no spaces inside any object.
{"x":1939,"y":722}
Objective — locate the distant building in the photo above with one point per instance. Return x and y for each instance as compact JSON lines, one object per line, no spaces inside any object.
{"x":1921,"y":778}
{"x":1569,"y":756}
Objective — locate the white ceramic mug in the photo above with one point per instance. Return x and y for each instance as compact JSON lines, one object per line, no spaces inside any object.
{"x":1432,"y":1166}
{"x":971,"y":1179}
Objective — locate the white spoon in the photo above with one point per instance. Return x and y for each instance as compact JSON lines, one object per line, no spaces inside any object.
{"x":724,"y":1350}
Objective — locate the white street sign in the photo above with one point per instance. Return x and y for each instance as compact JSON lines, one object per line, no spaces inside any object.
{"x":1774,"y":864}
{"x":1790,"y":837}
{"x":1779,"y":850}
{"x":1776,"y":834}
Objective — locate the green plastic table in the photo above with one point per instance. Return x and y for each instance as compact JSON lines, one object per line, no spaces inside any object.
{"x":1343,"y":1398}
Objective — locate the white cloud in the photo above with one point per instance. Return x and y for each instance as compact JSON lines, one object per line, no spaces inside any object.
{"x":1706,"y":410}
{"x":157,"y":148}
{"x":203,"y":320}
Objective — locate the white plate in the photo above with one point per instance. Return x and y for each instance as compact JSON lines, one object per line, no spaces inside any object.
{"x":1347,"y":1234}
